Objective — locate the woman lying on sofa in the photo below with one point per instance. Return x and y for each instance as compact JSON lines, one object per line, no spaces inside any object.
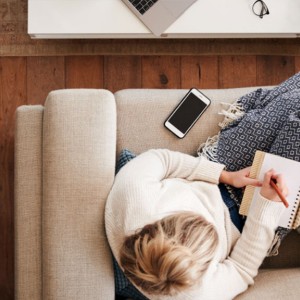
{"x":175,"y":234}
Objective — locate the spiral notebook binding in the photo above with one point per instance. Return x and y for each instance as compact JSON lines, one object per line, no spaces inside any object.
{"x":295,"y":221}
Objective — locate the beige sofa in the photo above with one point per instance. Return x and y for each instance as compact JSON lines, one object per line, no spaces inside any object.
{"x":65,"y":153}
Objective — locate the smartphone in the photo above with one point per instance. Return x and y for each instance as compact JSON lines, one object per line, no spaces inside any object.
{"x":187,"y":112}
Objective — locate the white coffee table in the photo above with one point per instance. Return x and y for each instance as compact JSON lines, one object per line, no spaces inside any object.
{"x":205,"y":19}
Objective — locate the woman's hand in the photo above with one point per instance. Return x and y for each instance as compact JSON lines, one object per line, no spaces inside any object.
{"x":268,"y":192}
{"x":239,"y":178}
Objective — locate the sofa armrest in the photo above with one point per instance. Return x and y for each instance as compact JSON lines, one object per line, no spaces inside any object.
{"x":28,"y":202}
{"x":79,"y":145}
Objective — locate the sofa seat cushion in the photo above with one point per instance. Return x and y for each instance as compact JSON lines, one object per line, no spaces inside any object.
{"x":275,"y":284}
{"x":141,"y":114}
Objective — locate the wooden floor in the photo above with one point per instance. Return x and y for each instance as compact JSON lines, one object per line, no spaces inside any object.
{"x":28,"y":80}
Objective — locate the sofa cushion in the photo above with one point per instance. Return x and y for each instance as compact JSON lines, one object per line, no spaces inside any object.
{"x":141,"y":114}
{"x":275,"y":284}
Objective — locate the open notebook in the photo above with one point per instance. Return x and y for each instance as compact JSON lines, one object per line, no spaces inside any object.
{"x":291,"y":170}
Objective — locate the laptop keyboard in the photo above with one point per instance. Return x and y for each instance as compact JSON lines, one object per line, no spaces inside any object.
{"x":142,"y":5}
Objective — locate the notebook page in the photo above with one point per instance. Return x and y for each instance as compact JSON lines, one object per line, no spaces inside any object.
{"x":290,"y":170}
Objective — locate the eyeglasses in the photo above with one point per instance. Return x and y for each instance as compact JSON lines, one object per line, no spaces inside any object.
{"x":260,"y":8}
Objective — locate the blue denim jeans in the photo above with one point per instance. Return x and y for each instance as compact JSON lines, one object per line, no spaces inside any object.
{"x":236,"y":218}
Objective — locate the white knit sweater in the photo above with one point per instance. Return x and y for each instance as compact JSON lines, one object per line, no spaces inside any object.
{"x":160,"y":182}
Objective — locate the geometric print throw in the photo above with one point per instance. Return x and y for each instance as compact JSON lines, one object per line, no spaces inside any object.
{"x":270,"y":124}
{"x":287,"y":142}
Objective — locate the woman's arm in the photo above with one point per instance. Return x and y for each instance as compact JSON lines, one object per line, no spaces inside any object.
{"x":245,"y":258}
{"x":239,"y":178}
{"x":160,"y":164}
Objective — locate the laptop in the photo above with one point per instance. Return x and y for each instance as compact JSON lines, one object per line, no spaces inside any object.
{"x":158,"y":15}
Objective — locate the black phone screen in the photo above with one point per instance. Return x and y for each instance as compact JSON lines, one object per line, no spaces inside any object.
{"x":188,"y":111}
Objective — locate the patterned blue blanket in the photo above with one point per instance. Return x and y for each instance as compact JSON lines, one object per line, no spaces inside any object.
{"x":267,"y":120}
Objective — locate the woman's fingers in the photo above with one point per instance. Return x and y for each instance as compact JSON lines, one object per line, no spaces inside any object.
{"x":280,"y":183}
{"x":268,"y":191}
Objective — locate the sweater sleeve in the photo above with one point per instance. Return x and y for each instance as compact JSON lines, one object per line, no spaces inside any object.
{"x":239,"y":269}
{"x":160,"y":164}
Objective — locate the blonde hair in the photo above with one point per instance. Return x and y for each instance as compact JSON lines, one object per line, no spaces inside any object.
{"x":170,"y":255}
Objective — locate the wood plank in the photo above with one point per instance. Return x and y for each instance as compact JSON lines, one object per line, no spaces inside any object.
{"x":297,"y":64}
{"x":122,"y":72}
{"x":272,"y":70}
{"x":199,"y":72}
{"x":237,"y":71}
{"x":44,"y":75}
{"x":84,"y":71}
{"x":161,"y":72}
{"x":12,"y":94}
{"x":20,"y":44}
